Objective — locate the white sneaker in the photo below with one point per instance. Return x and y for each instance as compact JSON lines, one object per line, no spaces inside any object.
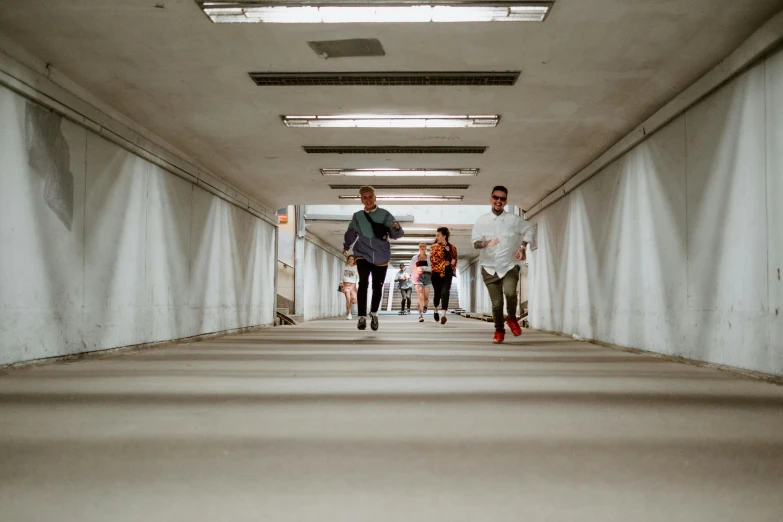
{"x":349,"y":317}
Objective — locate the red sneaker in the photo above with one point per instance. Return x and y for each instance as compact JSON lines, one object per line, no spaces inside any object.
{"x":499,"y":336}
{"x":513,"y":324}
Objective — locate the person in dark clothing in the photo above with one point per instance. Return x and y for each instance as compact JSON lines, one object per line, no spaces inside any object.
{"x":443,"y":257}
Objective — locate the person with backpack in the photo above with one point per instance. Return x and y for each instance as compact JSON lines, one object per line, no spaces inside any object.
{"x":368,"y":234}
{"x":443,"y":257}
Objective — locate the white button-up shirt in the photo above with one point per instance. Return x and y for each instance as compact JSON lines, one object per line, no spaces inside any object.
{"x":511,"y":230}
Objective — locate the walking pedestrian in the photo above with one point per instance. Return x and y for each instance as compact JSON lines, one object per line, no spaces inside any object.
{"x":443,"y":256}
{"x":405,"y":286}
{"x":501,"y":237}
{"x":422,"y":278}
{"x":368,"y":234}
{"x":350,"y":280}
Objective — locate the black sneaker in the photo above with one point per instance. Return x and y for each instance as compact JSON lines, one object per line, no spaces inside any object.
{"x":425,"y":309}
{"x":435,"y":315}
{"x":374,"y":321}
{"x":362,"y":325}
{"x":421,"y":319}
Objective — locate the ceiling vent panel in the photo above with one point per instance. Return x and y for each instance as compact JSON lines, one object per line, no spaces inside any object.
{"x":391,"y":149}
{"x":481,"y":79}
{"x":347,"y":48}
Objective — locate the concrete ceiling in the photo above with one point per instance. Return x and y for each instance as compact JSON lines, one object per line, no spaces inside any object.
{"x":592,"y":72}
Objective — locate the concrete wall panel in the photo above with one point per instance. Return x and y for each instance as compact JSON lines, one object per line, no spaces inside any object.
{"x":727,"y":224}
{"x":115,"y":302}
{"x":42,"y":184}
{"x":672,"y":247}
{"x":323,"y":272}
{"x":774,"y":98}
{"x":168,"y":254}
{"x":102,"y":249}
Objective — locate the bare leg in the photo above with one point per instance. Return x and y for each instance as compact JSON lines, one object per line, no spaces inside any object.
{"x":419,"y":299}
{"x":425,"y":291}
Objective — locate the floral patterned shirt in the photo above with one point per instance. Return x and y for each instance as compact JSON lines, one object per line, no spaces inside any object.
{"x":438,"y":258}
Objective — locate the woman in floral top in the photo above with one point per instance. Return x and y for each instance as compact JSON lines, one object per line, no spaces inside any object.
{"x":443,"y":259}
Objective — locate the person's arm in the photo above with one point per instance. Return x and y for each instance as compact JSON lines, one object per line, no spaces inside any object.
{"x":526,"y":231}
{"x":478,"y":238}
{"x":351,"y":235}
{"x":395,"y":230}
{"x":483,"y":243}
{"x":454,"y":258}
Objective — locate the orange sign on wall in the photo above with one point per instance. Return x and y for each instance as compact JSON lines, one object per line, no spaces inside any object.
{"x":282,"y":215}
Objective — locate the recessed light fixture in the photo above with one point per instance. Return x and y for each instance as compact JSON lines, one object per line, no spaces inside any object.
{"x":400,"y":172}
{"x":402,"y":198}
{"x":288,"y":12}
{"x":395,"y":121}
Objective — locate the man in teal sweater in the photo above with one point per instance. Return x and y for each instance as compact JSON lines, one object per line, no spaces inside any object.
{"x":369,"y":234}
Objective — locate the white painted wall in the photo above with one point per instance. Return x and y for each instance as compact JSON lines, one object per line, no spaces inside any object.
{"x":110,"y":250}
{"x":473,"y":295}
{"x":322,"y":273}
{"x":675,"y":248}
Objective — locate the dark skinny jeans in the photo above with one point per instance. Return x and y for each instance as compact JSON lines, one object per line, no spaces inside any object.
{"x":441,"y":286}
{"x":365,"y":269}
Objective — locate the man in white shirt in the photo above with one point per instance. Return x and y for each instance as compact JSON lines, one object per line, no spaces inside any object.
{"x":502,"y":237}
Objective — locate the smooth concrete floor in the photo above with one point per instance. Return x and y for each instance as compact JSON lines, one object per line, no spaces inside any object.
{"x":417,"y":422}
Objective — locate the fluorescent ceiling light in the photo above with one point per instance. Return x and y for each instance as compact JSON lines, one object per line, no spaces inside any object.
{"x":394,"y":121}
{"x":420,"y":230}
{"x":401,"y":197}
{"x":400,"y":172}
{"x":414,"y":240}
{"x":281,"y":12}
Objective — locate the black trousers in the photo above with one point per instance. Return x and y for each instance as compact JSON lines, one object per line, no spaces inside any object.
{"x":406,"y":298}
{"x":365,"y":269}
{"x":441,"y":286}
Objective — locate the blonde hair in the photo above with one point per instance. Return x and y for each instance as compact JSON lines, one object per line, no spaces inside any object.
{"x":423,"y":245}
{"x":365,"y":189}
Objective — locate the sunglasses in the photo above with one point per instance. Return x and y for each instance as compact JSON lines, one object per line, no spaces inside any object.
{"x":498,"y":198}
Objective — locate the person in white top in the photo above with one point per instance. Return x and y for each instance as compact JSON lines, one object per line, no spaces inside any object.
{"x":350,"y":279}
{"x":501,"y":237}
{"x":421,"y":273}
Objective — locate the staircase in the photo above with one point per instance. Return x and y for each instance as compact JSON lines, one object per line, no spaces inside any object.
{"x":397,"y":298}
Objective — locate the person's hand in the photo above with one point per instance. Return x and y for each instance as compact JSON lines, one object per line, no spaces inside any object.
{"x":494,"y":242}
{"x":345,"y":251}
{"x":395,"y":225}
{"x":521,"y":254}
